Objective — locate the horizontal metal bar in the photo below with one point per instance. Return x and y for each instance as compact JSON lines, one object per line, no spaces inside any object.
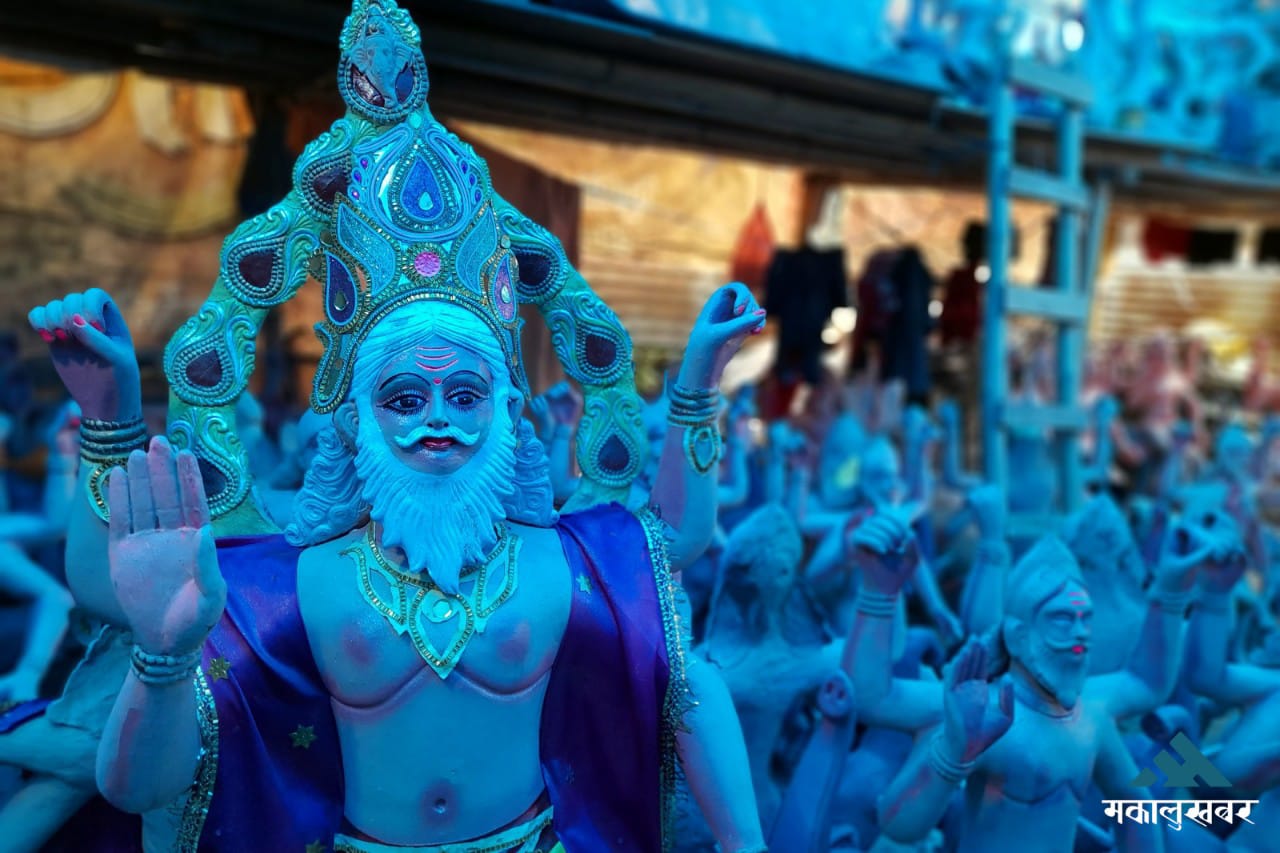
{"x":1059,"y":418}
{"x":1042,"y":186}
{"x":1052,"y":304}
{"x":1068,"y":87}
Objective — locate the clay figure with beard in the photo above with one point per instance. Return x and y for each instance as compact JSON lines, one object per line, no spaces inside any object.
{"x":1026,"y":747}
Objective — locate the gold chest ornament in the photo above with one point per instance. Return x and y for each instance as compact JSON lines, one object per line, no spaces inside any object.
{"x":411,"y":601}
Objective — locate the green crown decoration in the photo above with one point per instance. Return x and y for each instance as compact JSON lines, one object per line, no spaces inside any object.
{"x":389,"y":207}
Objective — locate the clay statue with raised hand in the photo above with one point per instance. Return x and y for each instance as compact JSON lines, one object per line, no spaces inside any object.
{"x":165,"y":572}
{"x":1034,"y":778}
{"x":882,"y":491}
{"x":426,"y":575}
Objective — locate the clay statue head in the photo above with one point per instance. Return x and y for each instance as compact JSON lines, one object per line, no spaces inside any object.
{"x":840,"y":461}
{"x":879,"y":478}
{"x":1103,"y":543}
{"x":763,"y":552}
{"x":1233,"y":451}
{"x":430,"y":438}
{"x":1047,"y":625}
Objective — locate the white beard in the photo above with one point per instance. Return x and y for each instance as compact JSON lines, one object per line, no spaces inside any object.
{"x":1061,"y":676}
{"x":443,"y":523}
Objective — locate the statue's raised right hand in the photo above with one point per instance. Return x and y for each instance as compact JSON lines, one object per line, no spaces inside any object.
{"x":93,"y":354}
{"x":974,"y":718}
{"x":884,"y":550}
{"x":164,"y":565}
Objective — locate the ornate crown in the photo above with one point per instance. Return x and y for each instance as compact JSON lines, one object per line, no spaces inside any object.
{"x":387,"y":208}
{"x":416,"y":222}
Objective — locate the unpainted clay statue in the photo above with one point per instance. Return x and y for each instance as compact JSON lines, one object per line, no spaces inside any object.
{"x":1025,"y":747}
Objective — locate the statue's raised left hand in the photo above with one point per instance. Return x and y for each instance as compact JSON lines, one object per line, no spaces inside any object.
{"x":93,"y":353}
{"x":730,"y":315}
{"x":564,"y":404}
{"x":1212,"y":546}
{"x":164,"y":565}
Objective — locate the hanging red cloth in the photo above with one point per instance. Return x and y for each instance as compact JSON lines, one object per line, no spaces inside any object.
{"x":753,"y":252}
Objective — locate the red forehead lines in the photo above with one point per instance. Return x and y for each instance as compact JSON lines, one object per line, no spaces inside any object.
{"x":435,"y":359}
{"x":1078,"y":598}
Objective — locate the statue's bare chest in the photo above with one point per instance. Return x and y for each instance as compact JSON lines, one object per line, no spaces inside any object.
{"x":1042,"y":758}
{"x":368,"y":647}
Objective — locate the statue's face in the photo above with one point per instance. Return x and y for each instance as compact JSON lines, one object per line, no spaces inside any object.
{"x":1056,"y":647}
{"x":1110,"y":547}
{"x":773,"y":577}
{"x":434,"y":405}
{"x":1235,"y":453}
{"x":879,"y":475}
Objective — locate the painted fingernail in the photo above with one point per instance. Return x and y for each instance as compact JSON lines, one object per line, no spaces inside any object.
{"x":48,"y":338}
{"x":60,"y":334}
{"x":98,"y":326}
{"x":758,"y":311}
{"x":739,"y":309}
{"x":77,"y":319}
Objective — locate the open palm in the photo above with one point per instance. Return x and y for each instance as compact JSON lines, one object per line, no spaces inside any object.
{"x":164,"y":565}
{"x":972,"y":720}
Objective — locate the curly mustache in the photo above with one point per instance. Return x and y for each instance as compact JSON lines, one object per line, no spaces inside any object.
{"x":421,"y":433}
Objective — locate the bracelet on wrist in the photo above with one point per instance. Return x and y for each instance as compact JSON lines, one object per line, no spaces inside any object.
{"x":164,"y":669}
{"x":692,"y":412}
{"x":873,"y":603}
{"x":1172,"y":601}
{"x":697,"y":413}
{"x":949,"y":771}
{"x":111,"y":441}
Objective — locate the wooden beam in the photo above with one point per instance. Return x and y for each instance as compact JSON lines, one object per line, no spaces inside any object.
{"x":1042,"y":186}
{"x":1037,"y":417}
{"x":1052,"y":304}
{"x":1041,"y":78}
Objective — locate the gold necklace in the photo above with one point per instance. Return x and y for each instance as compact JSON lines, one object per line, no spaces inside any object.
{"x":406,"y":599}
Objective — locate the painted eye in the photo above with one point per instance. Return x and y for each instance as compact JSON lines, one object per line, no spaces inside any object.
{"x":466,"y":397}
{"x":405,"y":403}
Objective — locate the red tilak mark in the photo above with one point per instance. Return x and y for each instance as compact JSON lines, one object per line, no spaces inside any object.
{"x":438,"y":380}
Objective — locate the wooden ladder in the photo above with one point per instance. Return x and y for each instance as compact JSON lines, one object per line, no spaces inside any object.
{"x":1065,"y":305}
